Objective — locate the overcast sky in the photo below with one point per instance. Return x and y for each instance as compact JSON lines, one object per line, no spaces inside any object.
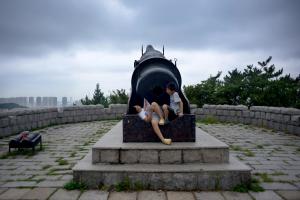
{"x":63,"y":48}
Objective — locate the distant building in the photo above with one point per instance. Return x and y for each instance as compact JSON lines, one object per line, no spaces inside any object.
{"x":45,"y":101}
{"x":38,"y":101}
{"x":64,"y":101}
{"x":52,"y":101}
{"x":31,"y":101}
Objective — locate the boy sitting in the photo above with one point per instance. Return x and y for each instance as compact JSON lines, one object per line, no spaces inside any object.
{"x":176,"y":106}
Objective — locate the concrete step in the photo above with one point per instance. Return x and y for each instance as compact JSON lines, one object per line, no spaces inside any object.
{"x":193,"y":176}
{"x":111,"y":149}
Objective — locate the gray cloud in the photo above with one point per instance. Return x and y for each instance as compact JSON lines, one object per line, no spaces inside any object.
{"x":32,"y":31}
{"x":37,"y":27}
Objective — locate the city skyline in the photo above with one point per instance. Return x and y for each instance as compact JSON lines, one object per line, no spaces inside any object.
{"x":39,"y":101}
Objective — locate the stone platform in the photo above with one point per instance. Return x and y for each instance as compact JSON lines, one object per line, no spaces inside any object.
{"x":181,"y":129}
{"x":204,"y":165}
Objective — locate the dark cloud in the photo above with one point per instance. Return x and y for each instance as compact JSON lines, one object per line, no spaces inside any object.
{"x":67,"y":46}
{"x":36,"y":27}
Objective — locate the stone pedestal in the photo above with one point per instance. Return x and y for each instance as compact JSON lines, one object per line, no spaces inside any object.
{"x":201,"y":165}
{"x":181,"y":129}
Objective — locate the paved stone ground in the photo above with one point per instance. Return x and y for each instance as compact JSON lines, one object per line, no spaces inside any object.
{"x":274,"y":157}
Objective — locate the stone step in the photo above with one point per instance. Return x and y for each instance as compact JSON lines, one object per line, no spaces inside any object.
{"x":111,"y":149}
{"x":193,"y":176}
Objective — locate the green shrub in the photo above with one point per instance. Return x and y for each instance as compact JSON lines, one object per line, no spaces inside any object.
{"x":252,"y":186}
{"x":209,"y":120}
{"x":72,"y":185}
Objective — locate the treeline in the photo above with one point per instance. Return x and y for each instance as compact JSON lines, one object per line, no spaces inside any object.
{"x":261,"y":85}
{"x":117,"y":96}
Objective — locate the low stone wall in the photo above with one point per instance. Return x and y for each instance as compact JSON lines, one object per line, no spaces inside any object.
{"x":277,"y":118}
{"x":282,"y":119}
{"x":13,"y":122}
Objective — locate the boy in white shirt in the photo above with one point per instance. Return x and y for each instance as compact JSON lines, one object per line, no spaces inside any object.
{"x":176,"y":106}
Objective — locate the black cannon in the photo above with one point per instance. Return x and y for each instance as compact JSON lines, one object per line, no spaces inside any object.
{"x":151,"y":75}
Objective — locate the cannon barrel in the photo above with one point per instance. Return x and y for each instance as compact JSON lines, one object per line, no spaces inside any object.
{"x":151,"y":75}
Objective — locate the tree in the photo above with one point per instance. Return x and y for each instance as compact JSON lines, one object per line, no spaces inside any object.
{"x":205,"y":92}
{"x":86,"y":101}
{"x":118,"y":96}
{"x":232,"y":88}
{"x":98,"y":98}
{"x":261,"y":85}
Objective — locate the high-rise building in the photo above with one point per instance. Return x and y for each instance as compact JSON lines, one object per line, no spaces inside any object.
{"x":31,"y":101}
{"x":52,"y":101}
{"x":39,"y":101}
{"x":64,"y":101}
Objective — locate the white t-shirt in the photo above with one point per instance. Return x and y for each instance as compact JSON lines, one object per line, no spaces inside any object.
{"x":174,"y":102}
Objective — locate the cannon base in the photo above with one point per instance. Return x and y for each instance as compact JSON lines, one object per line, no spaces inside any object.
{"x":179,"y":130}
{"x":201,"y":165}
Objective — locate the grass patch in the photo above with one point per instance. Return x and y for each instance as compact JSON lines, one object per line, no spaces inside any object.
{"x":286,"y":162}
{"x":86,"y":143}
{"x":22,"y":152}
{"x":72,"y":185}
{"x":51,"y":172}
{"x":127,"y":185}
{"x":73,"y":154}
{"x":239,"y":157}
{"x":208,"y":120}
{"x":265,"y":177}
{"x":103,"y":187}
{"x":259,"y":146}
{"x":278,"y":173}
{"x":123,"y":185}
{"x":46,"y":166}
{"x":278,"y":149}
{"x":248,"y":153}
{"x":252,"y":186}
{"x":236,"y":148}
{"x":39,"y":180}
{"x":62,"y":161}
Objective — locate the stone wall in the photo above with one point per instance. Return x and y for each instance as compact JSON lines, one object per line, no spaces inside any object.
{"x":281,"y":119}
{"x":13,"y":122}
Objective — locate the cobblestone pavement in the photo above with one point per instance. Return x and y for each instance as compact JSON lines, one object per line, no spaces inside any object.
{"x":274,"y":157}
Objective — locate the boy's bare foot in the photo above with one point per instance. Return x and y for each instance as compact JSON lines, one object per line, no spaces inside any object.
{"x":167,"y":141}
{"x":161,"y":121}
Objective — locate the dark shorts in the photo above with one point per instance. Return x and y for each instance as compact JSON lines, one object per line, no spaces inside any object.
{"x":172,"y":115}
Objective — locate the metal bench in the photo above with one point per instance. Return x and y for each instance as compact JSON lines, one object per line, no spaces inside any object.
{"x":30,"y":141}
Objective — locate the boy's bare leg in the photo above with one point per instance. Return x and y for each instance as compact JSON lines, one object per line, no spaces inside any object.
{"x":155,"y":107}
{"x":166,"y":111}
{"x":158,"y":132}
